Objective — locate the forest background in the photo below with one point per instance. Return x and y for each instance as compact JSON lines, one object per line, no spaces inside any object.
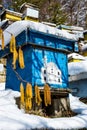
{"x":67,"y":12}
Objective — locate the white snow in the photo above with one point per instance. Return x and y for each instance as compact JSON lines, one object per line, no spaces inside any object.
{"x":77,"y":67}
{"x":76,"y":56}
{"x":1,"y":67}
{"x":3,"y":22}
{"x":12,"y":118}
{"x":17,"y":27}
{"x":2,"y":86}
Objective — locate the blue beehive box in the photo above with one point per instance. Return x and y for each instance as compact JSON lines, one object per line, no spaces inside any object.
{"x":45,"y":51}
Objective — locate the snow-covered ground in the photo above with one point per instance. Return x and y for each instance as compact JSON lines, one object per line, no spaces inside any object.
{"x":12,"y":118}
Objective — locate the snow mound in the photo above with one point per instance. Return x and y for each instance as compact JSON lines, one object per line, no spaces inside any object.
{"x":14,"y":119}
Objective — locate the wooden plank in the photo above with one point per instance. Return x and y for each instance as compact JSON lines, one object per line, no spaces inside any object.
{"x":58,"y":92}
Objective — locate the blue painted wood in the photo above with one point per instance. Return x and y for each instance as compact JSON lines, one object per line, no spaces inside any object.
{"x":12,"y":79}
{"x":40,"y":39}
{"x":41,"y":65}
{"x":50,"y":41}
{"x":34,"y":62}
{"x":53,"y":58}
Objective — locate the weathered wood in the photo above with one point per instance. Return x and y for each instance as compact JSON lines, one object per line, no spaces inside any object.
{"x":3,"y":72}
{"x":58,"y":107}
{"x":60,"y":104}
{"x":58,"y":91}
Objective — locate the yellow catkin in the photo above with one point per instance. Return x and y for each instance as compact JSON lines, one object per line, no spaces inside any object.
{"x":28,"y":97}
{"x":15,"y":57}
{"x":37,"y":95}
{"x":3,"y":41}
{"x":12,"y":43}
{"x":47,"y":95}
{"x":21,"y":58}
{"x":1,"y":33}
{"x":2,"y":38}
{"x":13,"y":50}
{"x":22,"y":96}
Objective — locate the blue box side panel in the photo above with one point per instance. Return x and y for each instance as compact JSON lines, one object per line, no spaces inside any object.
{"x":21,"y":38}
{"x":40,"y":39}
{"x":49,"y":41}
{"x":13,"y":77}
{"x":49,"y":67}
{"x":37,"y":58}
{"x":41,"y":66}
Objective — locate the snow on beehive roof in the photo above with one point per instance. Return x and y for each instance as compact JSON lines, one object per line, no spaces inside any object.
{"x":75,"y":68}
{"x":3,"y":22}
{"x":76,"y":56}
{"x":17,"y":27}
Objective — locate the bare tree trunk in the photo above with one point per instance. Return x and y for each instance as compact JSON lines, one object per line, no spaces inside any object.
{"x":78,"y":9}
{"x":86,"y":15}
{"x":71,"y":22}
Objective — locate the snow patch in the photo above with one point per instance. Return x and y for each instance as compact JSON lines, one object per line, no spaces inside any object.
{"x":14,"y":119}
